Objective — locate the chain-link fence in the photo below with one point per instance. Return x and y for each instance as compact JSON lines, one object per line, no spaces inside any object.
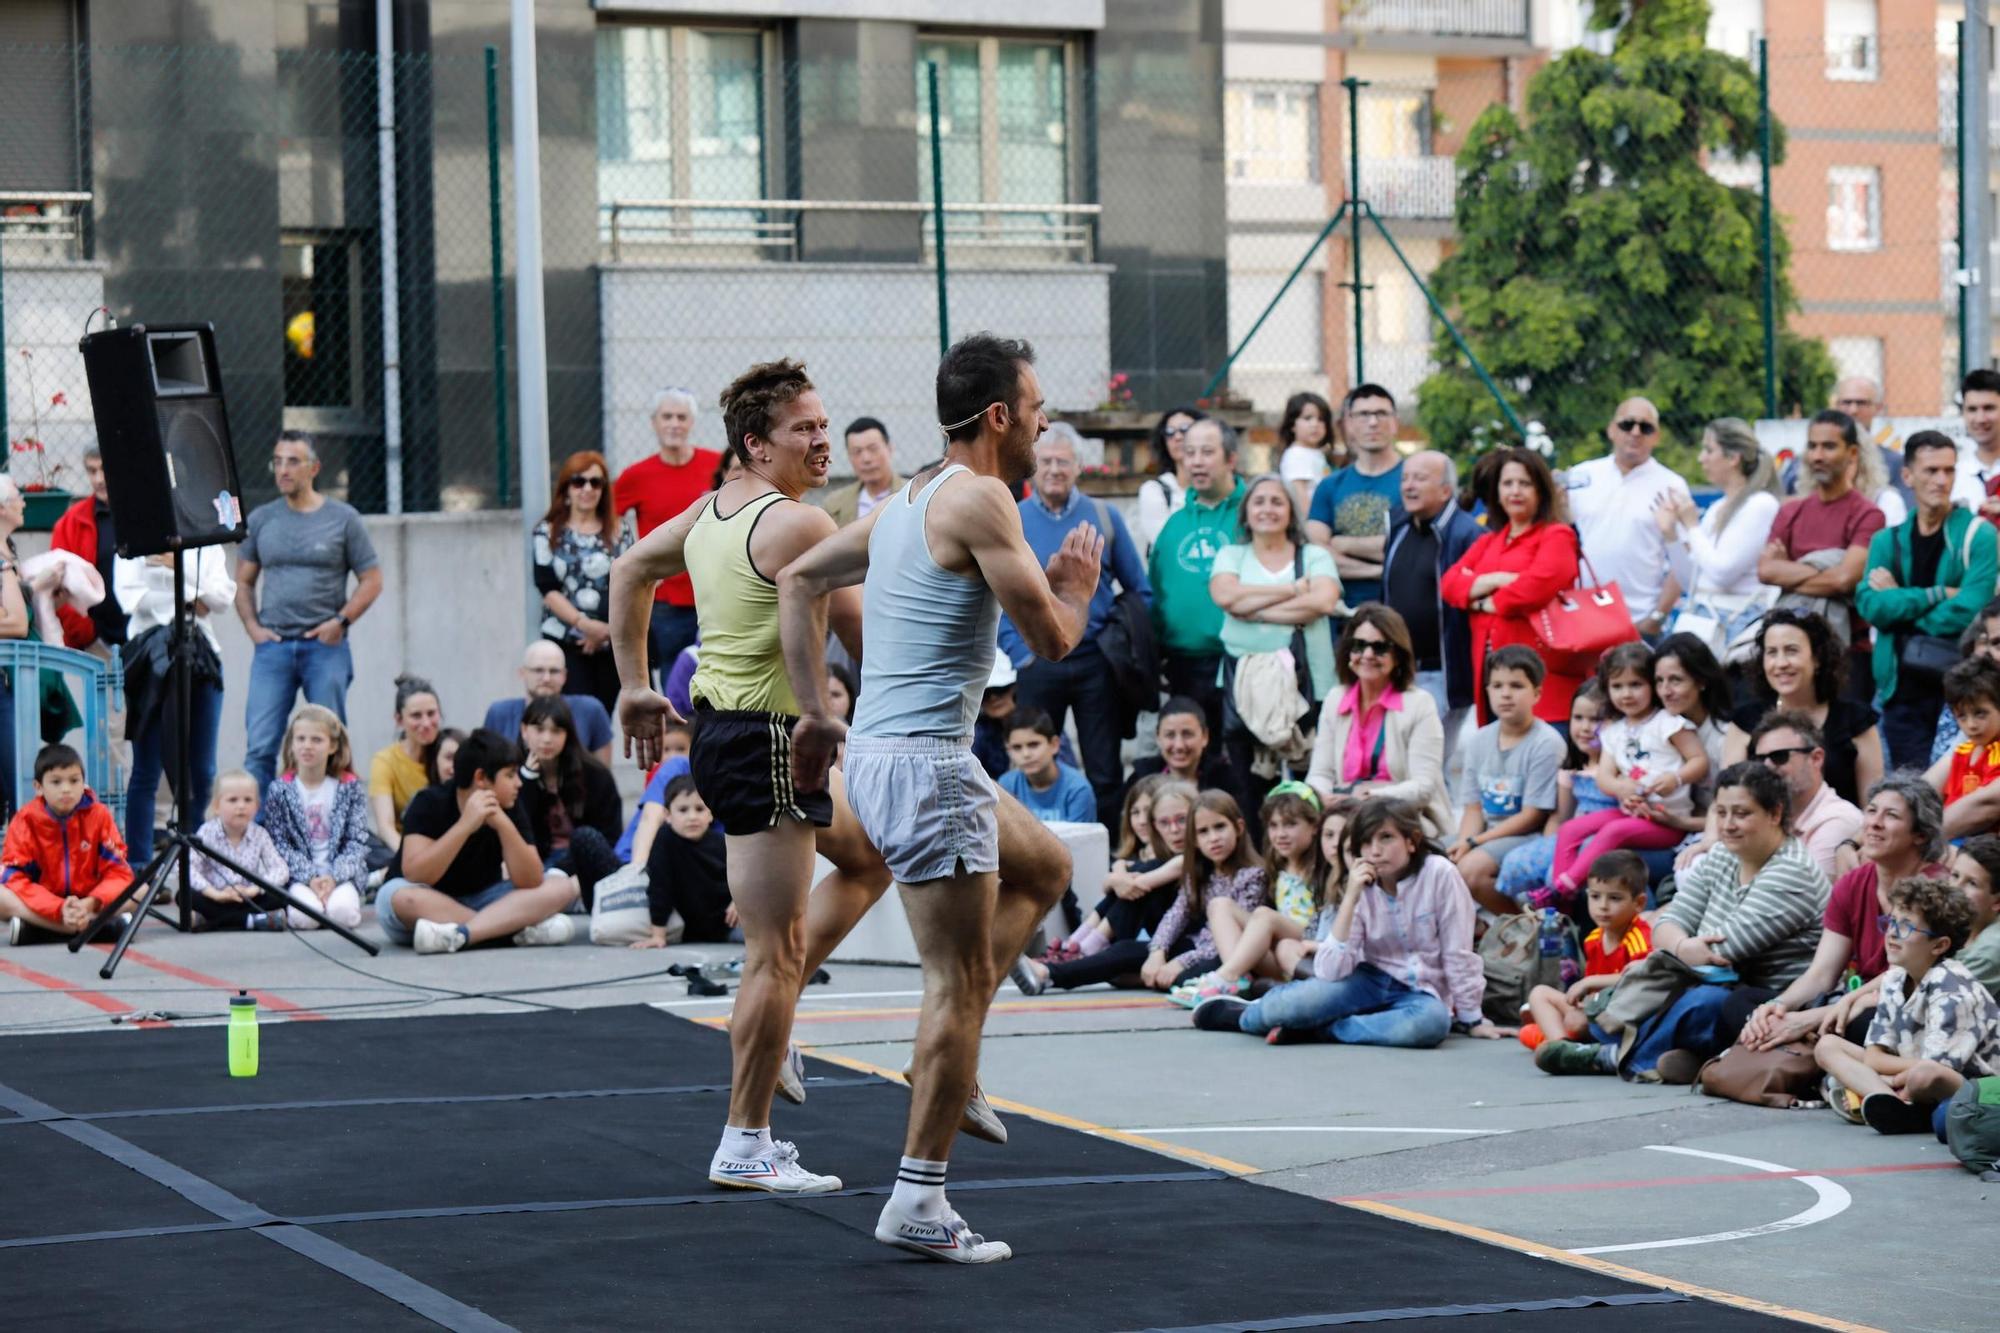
{"x":246,"y":188}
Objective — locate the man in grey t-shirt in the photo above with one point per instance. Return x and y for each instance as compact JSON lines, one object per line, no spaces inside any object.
{"x":1508,"y":786}
{"x":302,"y":547}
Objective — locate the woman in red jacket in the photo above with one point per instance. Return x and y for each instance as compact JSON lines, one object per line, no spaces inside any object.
{"x":1514,"y":570}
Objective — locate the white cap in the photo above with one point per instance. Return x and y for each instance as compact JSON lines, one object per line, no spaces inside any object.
{"x":1003,"y":671}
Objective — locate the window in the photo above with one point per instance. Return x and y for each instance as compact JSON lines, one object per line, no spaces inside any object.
{"x":680,"y":115}
{"x":1734,"y":27}
{"x":1003,"y":122}
{"x":1854,"y":208}
{"x":1395,"y":122}
{"x":1852,"y":39}
{"x":321,"y":323}
{"x":1273,"y":132}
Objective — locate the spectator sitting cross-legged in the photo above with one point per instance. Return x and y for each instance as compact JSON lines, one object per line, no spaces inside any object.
{"x":63,"y":862}
{"x":1219,"y":863}
{"x":1187,"y":623}
{"x":1525,"y":870}
{"x":657,"y":488}
{"x":1514,"y":570}
{"x":1396,"y":966}
{"x":446,"y":887}
{"x":1510,"y":783}
{"x":223,"y":899}
{"x":1619,"y":938}
{"x":1052,"y":791}
{"x":574,"y":811}
{"x":317,"y":813}
{"x":402,"y":768}
{"x":1380,"y":736}
{"x":686,"y":872}
{"x":1277,"y":939}
{"x":574,"y":545}
{"x":544,"y":674}
{"x":1800,"y":668}
{"x":301,"y":547}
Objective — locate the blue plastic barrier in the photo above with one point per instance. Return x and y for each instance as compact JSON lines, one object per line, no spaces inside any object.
{"x":98,"y":689}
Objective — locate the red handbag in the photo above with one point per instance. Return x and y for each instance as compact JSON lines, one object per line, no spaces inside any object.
{"x":1578,"y":625}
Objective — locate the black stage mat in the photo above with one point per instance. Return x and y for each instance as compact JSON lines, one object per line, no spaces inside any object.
{"x":461,"y":1181}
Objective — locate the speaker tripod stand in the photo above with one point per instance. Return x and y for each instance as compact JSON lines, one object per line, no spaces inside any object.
{"x":172,"y":857}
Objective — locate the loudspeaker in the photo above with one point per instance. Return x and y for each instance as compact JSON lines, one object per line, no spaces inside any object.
{"x":156,"y":392}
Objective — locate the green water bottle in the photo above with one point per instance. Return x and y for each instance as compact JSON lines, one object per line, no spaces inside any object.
{"x":242,"y":1036}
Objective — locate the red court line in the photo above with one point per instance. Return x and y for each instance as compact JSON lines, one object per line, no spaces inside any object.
{"x":95,"y":999}
{"x":1586,"y":1186}
{"x":275,"y":1003}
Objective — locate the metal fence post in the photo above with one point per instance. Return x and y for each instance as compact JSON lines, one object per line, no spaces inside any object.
{"x":496,"y":264}
{"x":1769,"y":249}
{"x":1354,"y":86}
{"x":1958,"y":238}
{"x":937,"y":209}
{"x":1974,"y":103}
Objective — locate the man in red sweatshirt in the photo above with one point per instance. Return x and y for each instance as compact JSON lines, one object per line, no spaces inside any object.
{"x":63,"y":861}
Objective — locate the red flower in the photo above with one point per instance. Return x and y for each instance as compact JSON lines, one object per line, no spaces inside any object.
{"x":61,"y":399}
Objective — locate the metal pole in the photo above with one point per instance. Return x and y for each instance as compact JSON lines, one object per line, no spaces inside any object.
{"x":1976,"y":344}
{"x":530,"y":328}
{"x":392,"y":336}
{"x":1958,"y":141}
{"x":1283,"y":287}
{"x":497,"y":267}
{"x":1768,"y":248}
{"x":937,"y":210}
{"x":1354,"y":87}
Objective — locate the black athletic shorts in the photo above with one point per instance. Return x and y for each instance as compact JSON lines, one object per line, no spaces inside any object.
{"x":742,"y":766}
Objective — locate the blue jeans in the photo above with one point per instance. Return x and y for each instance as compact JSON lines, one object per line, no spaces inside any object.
{"x":1693,"y":1022}
{"x":401,"y":933}
{"x":278,"y":672}
{"x":671,"y":629}
{"x":1081,"y":683}
{"x":1368,"y":1007}
{"x":153,"y":753}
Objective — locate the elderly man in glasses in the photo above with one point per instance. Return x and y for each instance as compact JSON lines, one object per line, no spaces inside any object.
{"x":302,"y":548}
{"x":1611,"y":500}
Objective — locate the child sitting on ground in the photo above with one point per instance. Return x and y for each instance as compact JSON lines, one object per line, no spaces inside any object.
{"x":63,"y":861}
{"x":1137,"y":845}
{"x":1054,"y":792}
{"x":318,"y":819}
{"x":1249,"y":941}
{"x":686,"y":872}
{"x":1972,"y":693}
{"x":1617,"y":892}
{"x":221,"y":897}
{"x":1220,"y":863}
{"x":1526,"y":869}
{"x":1931,"y":1009}
{"x":1508,"y":785}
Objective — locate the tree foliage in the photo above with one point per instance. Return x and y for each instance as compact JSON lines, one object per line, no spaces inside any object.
{"x":1598,"y":258}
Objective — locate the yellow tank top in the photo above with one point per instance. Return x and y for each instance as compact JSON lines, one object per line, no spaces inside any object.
{"x":741,"y":666}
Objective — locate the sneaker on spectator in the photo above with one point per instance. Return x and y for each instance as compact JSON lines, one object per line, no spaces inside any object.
{"x":1573,"y":1057}
{"x":558,"y":929}
{"x":1212,"y":985}
{"x":946,"y":1237}
{"x":1886,"y":1113}
{"x":775,"y":1172}
{"x":21,"y":933}
{"x":437,"y":937}
{"x":1219,"y":1013}
{"x":1026,"y":979}
{"x":792,"y":1076}
{"x":1844,"y":1103}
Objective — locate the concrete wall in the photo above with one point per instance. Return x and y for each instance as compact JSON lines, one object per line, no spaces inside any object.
{"x":867,"y":332}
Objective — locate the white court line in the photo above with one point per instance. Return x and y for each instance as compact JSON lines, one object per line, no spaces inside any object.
{"x":1314,"y":1129}
{"x":1832,"y":1202}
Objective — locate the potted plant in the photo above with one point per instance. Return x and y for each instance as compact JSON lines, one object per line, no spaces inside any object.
{"x":28,"y":462}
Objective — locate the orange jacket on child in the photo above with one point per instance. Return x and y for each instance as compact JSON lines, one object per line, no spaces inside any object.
{"x":48,"y":858}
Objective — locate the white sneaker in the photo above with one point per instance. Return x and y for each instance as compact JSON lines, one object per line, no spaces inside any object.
{"x":557,"y":929}
{"x":436,"y":937}
{"x":980,"y":1120}
{"x":776,"y":1172}
{"x":792,"y":1077}
{"x":948,"y":1238}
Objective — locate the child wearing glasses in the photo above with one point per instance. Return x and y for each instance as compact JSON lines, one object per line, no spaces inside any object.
{"x":1972,"y":693}
{"x":1931,"y":1009}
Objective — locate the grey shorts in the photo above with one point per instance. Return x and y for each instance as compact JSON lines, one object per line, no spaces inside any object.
{"x":925,"y":803}
{"x":1497,"y":848}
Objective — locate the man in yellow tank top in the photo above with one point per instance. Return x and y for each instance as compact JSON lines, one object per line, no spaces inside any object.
{"x":733,"y":543}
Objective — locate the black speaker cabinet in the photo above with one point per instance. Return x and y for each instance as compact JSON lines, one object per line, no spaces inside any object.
{"x":156,"y":392}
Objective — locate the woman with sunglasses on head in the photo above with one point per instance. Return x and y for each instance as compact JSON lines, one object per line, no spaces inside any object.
{"x":1162,"y":495}
{"x":575,"y":543}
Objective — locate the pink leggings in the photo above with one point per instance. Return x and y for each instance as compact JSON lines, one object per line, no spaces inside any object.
{"x":1605,"y":831}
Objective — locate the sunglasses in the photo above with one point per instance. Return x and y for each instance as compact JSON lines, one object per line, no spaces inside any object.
{"x":1779,"y":758}
{"x":578,"y":483}
{"x":1896,"y":928}
{"x":1634,"y":426}
{"x":1371,"y":648}
{"x":1178,"y":430}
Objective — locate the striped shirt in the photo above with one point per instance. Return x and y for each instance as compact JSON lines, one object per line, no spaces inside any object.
{"x":1770,"y":926}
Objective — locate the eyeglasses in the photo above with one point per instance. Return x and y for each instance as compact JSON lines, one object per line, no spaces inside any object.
{"x":1371,"y":648}
{"x":1371,"y":414}
{"x":1170,"y":821}
{"x":1779,"y":758}
{"x":578,"y":483}
{"x":1634,"y":426}
{"x":1895,"y":928}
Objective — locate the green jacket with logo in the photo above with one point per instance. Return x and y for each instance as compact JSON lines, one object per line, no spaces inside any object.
{"x":1186,"y":620}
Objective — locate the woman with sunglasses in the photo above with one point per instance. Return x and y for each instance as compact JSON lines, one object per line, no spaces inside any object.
{"x":1899,"y":838}
{"x":1380,"y":736}
{"x":575,"y":543}
{"x":1162,"y":495}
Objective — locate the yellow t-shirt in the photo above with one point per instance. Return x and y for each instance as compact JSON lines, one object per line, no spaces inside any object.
{"x":394,"y":774}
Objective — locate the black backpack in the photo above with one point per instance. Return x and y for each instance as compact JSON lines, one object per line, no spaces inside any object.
{"x":1128,"y":646}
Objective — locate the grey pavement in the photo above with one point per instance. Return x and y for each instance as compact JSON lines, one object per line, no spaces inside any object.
{"x":1795,"y":1209}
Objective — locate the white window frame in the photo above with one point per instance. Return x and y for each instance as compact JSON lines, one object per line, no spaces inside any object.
{"x":1239,"y":102}
{"x":1844,"y":177}
{"x":1838,"y":39}
{"x":991,"y":169}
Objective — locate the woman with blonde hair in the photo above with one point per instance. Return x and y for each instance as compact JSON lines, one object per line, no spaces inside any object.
{"x":1714,"y":555}
{"x":317,"y":814}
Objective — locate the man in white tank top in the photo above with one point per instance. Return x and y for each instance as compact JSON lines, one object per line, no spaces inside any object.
{"x":977,"y":871}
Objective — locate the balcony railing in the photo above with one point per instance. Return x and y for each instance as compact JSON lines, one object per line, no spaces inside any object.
{"x":42,"y":224}
{"x":1410,"y":187}
{"x":1441,"y":18}
{"x":773,"y":229}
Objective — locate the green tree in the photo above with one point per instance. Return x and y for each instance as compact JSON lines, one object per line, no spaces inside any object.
{"x":1598,"y":258}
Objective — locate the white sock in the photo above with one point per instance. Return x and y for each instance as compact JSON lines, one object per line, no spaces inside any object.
{"x":744,"y":1143}
{"x":920,"y":1189}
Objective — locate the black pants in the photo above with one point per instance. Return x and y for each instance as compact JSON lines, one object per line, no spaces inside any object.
{"x":1081,"y":683}
{"x":588,"y":858}
{"x":233,"y":915}
{"x":690,"y":878}
{"x":594,"y":674}
{"x":1197,"y":678}
{"x":1128,"y":917}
